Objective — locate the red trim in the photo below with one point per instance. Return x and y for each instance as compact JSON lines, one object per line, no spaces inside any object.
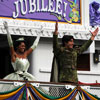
{"x":81,"y":83}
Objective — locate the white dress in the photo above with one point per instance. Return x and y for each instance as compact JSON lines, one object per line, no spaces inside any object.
{"x":20,"y":67}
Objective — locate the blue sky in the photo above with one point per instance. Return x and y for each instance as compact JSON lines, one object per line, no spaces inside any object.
{"x":98,"y":1}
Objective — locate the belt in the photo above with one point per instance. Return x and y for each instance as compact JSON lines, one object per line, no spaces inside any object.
{"x":69,"y":67}
{"x":20,"y":73}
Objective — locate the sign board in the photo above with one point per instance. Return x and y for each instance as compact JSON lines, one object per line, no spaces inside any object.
{"x":43,"y":10}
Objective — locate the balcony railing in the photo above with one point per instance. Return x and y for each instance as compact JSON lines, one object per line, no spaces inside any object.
{"x":35,"y":90}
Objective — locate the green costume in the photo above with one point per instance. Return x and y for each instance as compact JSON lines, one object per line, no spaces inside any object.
{"x":65,"y":62}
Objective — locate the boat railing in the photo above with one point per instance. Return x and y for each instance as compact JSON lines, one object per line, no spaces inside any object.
{"x":58,"y":89}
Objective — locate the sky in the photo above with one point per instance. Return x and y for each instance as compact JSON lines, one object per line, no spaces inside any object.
{"x":98,"y":1}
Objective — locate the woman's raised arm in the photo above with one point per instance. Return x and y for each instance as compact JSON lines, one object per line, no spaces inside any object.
{"x":10,"y":42}
{"x":34,"y":45}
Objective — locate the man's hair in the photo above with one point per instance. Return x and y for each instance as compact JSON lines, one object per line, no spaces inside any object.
{"x":66,"y":38}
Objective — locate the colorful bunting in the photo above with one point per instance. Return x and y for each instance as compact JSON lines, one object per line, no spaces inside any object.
{"x":27,"y":92}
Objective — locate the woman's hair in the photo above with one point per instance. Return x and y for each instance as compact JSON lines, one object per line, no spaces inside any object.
{"x":17,"y":43}
{"x":66,"y":38}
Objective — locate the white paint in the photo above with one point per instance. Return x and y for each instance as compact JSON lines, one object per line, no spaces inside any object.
{"x":91,"y":48}
{"x":42,"y":59}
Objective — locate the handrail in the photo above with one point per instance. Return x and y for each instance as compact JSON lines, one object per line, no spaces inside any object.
{"x":5,"y":81}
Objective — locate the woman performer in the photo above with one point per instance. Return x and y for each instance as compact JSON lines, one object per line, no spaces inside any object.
{"x":19,"y":60}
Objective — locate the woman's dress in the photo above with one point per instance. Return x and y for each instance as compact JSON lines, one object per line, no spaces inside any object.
{"x":20,"y":67}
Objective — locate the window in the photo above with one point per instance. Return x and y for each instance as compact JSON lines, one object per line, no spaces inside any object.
{"x":83,"y":62}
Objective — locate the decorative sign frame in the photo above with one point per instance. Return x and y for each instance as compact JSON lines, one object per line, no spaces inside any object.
{"x":43,"y":10}
{"x":31,"y":17}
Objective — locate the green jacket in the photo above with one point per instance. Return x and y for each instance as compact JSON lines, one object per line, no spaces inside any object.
{"x":65,"y":61}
